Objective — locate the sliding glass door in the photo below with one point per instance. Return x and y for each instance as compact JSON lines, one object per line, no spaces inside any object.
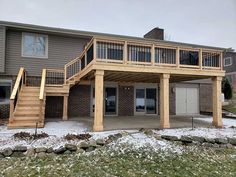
{"x":145,"y":101}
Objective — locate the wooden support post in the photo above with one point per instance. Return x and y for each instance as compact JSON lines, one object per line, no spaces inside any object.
{"x":65,"y":108}
{"x":177,"y":57}
{"x":221,"y":62}
{"x":153,"y":55}
{"x":200,"y":59}
{"x":217,"y":105}
{"x":11,"y":110}
{"x":125,"y":53}
{"x":98,"y":114}
{"x":164,"y":101}
{"x":95,"y":49}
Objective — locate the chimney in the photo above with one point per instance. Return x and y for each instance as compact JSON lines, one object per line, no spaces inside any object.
{"x":156,"y":33}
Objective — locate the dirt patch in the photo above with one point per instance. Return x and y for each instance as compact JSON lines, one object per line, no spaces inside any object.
{"x":26,"y":135}
{"x":84,"y":136}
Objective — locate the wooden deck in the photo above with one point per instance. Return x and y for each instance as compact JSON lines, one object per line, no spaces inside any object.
{"x":118,"y":60}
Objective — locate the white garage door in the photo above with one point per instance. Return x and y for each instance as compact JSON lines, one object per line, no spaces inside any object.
{"x":187,"y":101}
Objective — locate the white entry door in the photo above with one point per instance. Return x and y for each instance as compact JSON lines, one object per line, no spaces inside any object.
{"x":187,"y":100}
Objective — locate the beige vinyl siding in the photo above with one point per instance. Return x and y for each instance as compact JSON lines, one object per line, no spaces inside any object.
{"x":2,"y":48}
{"x":61,"y":50}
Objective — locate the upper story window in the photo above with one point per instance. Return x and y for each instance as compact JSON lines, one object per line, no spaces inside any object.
{"x":34,"y":45}
{"x":228,"y":61}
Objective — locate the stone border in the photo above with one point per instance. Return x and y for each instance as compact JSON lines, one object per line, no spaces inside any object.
{"x":83,"y":146}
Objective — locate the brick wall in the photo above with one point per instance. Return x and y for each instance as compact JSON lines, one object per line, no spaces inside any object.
{"x":79,"y":101}
{"x":205,"y":97}
{"x":126,"y":101}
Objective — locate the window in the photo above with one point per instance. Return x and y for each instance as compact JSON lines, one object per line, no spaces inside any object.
{"x":188,"y":57}
{"x":228,"y":61}
{"x":5,"y":92}
{"x":34,"y":45}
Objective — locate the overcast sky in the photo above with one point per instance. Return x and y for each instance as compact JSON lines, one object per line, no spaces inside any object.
{"x":206,"y":22}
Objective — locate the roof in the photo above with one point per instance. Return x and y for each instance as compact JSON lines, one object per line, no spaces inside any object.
{"x":89,"y":34}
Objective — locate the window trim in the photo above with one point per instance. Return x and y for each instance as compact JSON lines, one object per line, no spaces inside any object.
{"x":8,"y":81}
{"x":230,"y":61}
{"x":34,"y":56}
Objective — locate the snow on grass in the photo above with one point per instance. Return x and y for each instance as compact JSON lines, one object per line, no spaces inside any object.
{"x":57,"y":131}
{"x":226,"y":121}
{"x":225,"y":132}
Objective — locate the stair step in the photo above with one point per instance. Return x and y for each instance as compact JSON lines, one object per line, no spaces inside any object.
{"x":24,"y":124}
{"x":29,"y":94}
{"x":26,"y":98}
{"x":27,"y":108}
{"x":26,"y":119}
{"x":26,"y":114}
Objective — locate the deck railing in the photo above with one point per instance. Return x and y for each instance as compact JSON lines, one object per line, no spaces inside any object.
{"x":141,"y":53}
{"x":54,"y":77}
{"x":75,"y":66}
{"x":130,"y":52}
{"x":20,"y":82}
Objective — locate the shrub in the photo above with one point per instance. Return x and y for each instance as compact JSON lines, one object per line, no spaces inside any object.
{"x":227,"y":89}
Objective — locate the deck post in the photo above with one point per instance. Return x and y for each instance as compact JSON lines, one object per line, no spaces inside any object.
{"x":217,"y":105}
{"x":65,"y":108}
{"x":98,"y":114}
{"x":164,"y":101}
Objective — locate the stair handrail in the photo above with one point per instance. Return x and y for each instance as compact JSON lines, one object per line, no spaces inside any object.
{"x":77,"y":59}
{"x":42,"y":85}
{"x":20,"y":81}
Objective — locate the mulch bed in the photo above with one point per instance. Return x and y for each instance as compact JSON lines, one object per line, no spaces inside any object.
{"x":84,"y":136}
{"x":26,"y":135}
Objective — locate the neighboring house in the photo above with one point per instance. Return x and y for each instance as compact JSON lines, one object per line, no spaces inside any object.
{"x":230,"y":68}
{"x":53,"y":72}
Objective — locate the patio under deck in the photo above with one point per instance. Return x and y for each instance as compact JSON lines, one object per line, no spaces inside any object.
{"x":137,"y":122}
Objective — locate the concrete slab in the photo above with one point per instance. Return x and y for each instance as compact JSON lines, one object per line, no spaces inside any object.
{"x":137,"y":122}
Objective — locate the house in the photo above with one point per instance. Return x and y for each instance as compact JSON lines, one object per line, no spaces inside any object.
{"x":230,"y":67}
{"x":54,"y":72}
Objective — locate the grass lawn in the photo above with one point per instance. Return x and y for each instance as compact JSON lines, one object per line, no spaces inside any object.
{"x":125,"y":160}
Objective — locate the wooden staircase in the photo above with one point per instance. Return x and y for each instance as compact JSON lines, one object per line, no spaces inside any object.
{"x":27,"y":110}
{"x":27,"y":103}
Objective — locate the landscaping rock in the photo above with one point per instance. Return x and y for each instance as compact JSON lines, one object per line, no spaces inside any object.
{"x":232,"y":141}
{"x":118,"y":135}
{"x":30,"y":152}
{"x":1,"y":155}
{"x":41,"y":154}
{"x":7,"y":152}
{"x":100,"y":142}
{"x":221,"y":140}
{"x":60,"y":150}
{"x":79,"y":151}
{"x":186,"y":139}
{"x":92,"y":143}
{"x":169,"y":137}
{"x":67,"y":152}
{"x":207,"y":144}
{"x":198,"y":138}
{"x":157,"y":137}
{"x":84,"y":145}
{"x":71,"y":147}
{"x":229,"y":146}
{"x":40,"y":149}
{"x":215,"y":145}
{"x":223,"y":145}
{"x":148,"y":132}
{"x":90,"y":148}
{"x":20,"y":149}
{"x":49,"y":150}
{"x":17,"y":154}
{"x":210,"y":140}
